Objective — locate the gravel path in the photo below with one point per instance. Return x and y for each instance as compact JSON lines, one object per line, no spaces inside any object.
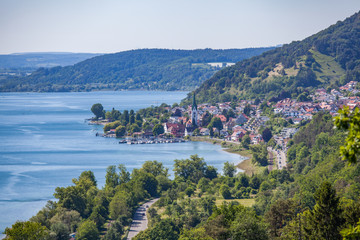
{"x":140,"y":220}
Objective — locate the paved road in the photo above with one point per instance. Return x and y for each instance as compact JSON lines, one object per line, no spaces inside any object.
{"x":140,"y":220}
{"x":280,"y":158}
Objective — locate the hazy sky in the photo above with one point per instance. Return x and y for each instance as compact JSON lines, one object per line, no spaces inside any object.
{"x":105,"y":26}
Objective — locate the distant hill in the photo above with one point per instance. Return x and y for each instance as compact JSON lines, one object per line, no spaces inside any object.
{"x":327,"y":59}
{"x":19,"y":63}
{"x":148,"y":69}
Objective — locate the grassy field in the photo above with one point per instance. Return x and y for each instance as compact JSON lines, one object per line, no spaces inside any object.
{"x":330,"y":69}
{"x":245,"y":202}
{"x":250,"y":168}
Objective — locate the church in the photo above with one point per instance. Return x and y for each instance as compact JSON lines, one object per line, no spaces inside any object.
{"x":194,"y":114}
{"x":193,"y":123}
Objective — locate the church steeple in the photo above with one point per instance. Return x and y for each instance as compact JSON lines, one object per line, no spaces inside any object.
{"x":194,"y":113}
{"x":194,"y":106}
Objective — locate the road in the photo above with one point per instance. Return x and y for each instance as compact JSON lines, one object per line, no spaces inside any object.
{"x":279,"y":157}
{"x":140,"y":220}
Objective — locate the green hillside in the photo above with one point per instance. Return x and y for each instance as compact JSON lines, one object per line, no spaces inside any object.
{"x":315,"y":197}
{"x":328,"y":58}
{"x":147,"y":69}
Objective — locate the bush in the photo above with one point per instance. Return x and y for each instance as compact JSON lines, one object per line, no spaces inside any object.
{"x":225,"y":192}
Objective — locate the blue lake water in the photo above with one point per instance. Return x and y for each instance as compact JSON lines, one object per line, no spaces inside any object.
{"x":45,"y":142}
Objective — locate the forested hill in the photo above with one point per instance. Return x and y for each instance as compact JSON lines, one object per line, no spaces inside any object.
{"x":22,"y":64}
{"x":328,"y":58}
{"x":45,"y":59}
{"x":148,"y":69}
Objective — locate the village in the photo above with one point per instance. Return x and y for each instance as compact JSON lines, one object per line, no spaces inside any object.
{"x":231,"y":122}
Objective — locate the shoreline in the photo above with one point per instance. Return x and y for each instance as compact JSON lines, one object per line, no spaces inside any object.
{"x":244,"y":165}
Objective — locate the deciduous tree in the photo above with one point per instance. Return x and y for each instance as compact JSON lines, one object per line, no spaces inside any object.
{"x":98,"y":110}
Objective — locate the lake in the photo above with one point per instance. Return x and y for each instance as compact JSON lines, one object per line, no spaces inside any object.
{"x":45,"y":142}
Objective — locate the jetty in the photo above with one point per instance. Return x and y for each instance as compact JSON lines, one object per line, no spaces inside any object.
{"x":150,"y":141}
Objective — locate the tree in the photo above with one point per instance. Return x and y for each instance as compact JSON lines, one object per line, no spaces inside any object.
{"x":203,"y":184}
{"x":225,"y":192}
{"x":124,"y":175}
{"x":134,"y":128}
{"x":229,"y":169}
{"x":165,"y":229}
{"x":231,"y":221}
{"x":98,"y":110}
{"x":45,"y":214}
{"x":98,"y":216}
{"x":245,"y":142}
{"x":215,"y":123}
{"x":146,"y":181}
{"x":281,"y":212}
{"x":119,"y":206}
{"x":244,"y":180}
{"x":155,"y":168}
{"x":72,"y":198}
{"x":112,"y":125}
{"x":349,"y":121}
{"x":210,"y":172}
{"x":195,"y":234}
{"x":158,"y":129}
{"x":189,"y":191}
{"x":248,"y":226}
{"x":255,"y":182}
{"x":70,"y":218}
{"x":192,"y":169}
{"x":115,"y":231}
{"x":125,"y":117}
{"x":326,"y":217}
{"x":111,"y":178}
{"x":206,"y":119}
{"x":266,"y":134}
{"x":351,"y":232}
{"x":87,"y":231}
{"x":211,"y":132}
{"x":120,"y":131}
{"x":60,"y":230}
{"x":303,"y":97}
{"x":26,"y":230}
{"x":260,"y":154}
{"x":247,"y":110}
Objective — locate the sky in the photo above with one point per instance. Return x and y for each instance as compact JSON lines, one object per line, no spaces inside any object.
{"x":107,"y":26}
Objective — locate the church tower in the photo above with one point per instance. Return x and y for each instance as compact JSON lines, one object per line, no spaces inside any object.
{"x":194,"y":113}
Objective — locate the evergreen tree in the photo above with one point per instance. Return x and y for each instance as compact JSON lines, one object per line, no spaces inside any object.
{"x":326,"y":217}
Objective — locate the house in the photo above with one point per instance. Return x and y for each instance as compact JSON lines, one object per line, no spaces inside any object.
{"x":241,"y":119}
{"x":297,"y":120}
{"x":215,"y":130}
{"x":176,"y":129}
{"x":222,"y":118}
{"x":224,"y":133}
{"x":189,"y":131}
{"x":237,"y":135}
{"x":204,"y":131}
{"x":230,"y":124}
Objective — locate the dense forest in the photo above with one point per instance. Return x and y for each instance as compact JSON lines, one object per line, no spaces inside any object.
{"x":315,"y":197}
{"x":147,"y":69}
{"x":327,"y":59}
